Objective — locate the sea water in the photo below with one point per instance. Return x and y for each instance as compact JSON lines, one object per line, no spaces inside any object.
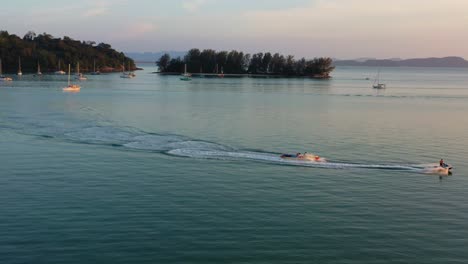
{"x":158,"y":170}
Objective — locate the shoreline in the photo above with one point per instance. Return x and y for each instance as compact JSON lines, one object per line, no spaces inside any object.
{"x":242,"y":75}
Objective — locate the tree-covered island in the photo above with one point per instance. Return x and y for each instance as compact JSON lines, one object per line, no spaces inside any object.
{"x":48,"y":52}
{"x":238,"y":63}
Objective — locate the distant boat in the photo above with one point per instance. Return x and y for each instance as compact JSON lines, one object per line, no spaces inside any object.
{"x":377,"y":84}
{"x":3,"y":77}
{"x":79,"y":76}
{"x":38,"y":69}
{"x":186,"y":76}
{"x":126,"y":75}
{"x":221,"y":75}
{"x":71,"y":87}
{"x":19,"y":67}
{"x":59,"y":72}
{"x":94,"y":69}
{"x":130,"y":72}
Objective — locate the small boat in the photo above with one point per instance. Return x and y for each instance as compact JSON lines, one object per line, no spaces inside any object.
{"x":303,"y":157}
{"x":19,"y":67}
{"x":94,"y":69}
{"x":79,"y":76}
{"x":59,"y":72}
{"x":186,"y":76}
{"x":221,"y":75}
{"x":3,"y":77}
{"x":131,"y":73}
{"x":38,"y":69}
{"x":126,"y":75}
{"x":377,"y":84}
{"x":71,"y":87}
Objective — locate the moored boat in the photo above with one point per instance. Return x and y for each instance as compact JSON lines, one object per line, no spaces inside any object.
{"x":71,"y":87}
{"x":186,"y":76}
{"x":3,"y":77}
{"x":59,"y":71}
{"x":377,"y":84}
{"x":20,"y":73}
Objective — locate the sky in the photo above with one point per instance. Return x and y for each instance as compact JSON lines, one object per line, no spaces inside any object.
{"x":304,"y":28}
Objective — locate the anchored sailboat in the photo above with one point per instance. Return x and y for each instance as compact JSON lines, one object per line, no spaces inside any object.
{"x":221,"y":75}
{"x":38,"y":69}
{"x":71,"y":87}
{"x":126,"y":75}
{"x":19,"y":67}
{"x":94,"y":69}
{"x":3,"y":77}
{"x":60,"y":72}
{"x":377,"y":84}
{"x":79,"y":76}
{"x":186,"y":76}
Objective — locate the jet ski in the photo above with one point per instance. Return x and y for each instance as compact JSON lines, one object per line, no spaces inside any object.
{"x":445,"y":169}
{"x":303,"y":157}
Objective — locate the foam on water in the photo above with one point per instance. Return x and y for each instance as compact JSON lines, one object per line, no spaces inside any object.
{"x":177,"y":145}
{"x":275,"y":158}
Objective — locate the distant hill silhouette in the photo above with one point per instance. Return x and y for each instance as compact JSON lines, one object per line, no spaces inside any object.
{"x":422,"y":62}
{"x":54,"y":54}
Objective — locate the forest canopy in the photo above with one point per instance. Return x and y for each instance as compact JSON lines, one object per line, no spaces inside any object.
{"x":235,"y":62}
{"x":48,"y":51}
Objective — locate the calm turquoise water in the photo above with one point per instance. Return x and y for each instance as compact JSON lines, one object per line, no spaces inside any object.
{"x":156,"y":170}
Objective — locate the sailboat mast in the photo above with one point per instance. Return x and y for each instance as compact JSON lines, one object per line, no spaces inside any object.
{"x":94,"y":65}
{"x":377,"y":78}
{"x":69,"y":72}
{"x":19,"y":64}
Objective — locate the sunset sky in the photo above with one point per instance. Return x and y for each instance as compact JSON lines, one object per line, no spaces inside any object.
{"x":335,"y":28}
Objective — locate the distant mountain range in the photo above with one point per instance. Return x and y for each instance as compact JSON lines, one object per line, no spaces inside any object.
{"x":423,"y":62}
{"x":153,"y":56}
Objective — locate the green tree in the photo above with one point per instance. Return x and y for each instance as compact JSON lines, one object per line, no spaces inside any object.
{"x":163,"y":62}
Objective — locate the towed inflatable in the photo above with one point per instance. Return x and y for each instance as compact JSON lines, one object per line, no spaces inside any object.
{"x":303,"y":157}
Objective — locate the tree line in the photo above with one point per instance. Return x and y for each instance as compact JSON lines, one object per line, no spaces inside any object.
{"x":235,"y":62}
{"x":48,"y":51}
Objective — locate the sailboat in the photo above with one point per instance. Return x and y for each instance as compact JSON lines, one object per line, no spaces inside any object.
{"x":79,"y":76}
{"x":60,"y":72}
{"x":186,"y":76}
{"x":377,"y":84}
{"x":19,"y":67}
{"x":71,"y":87}
{"x":126,"y":75}
{"x":94,"y":69}
{"x":3,"y":77}
{"x":221,"y":75}
{"x":38,"y":69}
{"x":130,"y":72}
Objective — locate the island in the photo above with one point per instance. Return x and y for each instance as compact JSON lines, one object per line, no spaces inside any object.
{"x":54,"y":54}
{"x":234,"y":63}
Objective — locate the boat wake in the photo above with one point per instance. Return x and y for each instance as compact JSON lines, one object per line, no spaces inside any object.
{"x":182,"y":146}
